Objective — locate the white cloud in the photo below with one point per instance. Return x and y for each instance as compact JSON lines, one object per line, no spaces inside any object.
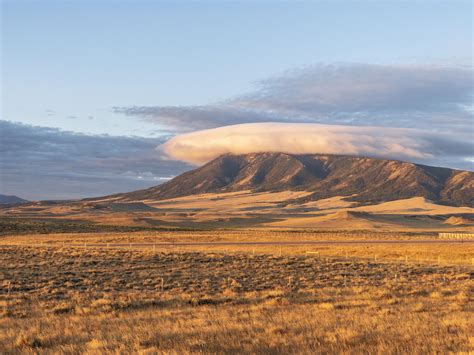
{"x":305,"y":138}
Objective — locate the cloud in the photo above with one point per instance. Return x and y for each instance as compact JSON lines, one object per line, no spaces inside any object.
{"x":359,"y":88}
{"x":190,"y":118}
{"x":47,"y":163}
{"x":300,"y":138}
{"x":437,"y":98}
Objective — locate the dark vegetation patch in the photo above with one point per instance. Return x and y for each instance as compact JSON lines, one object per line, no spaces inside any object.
{"x":16,"y":226}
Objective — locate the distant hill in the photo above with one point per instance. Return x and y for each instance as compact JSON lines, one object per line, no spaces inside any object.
{"x":364,"y":180}
{"x":11,"y":199}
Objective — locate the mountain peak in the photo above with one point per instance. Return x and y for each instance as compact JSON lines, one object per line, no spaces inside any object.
{"x":366,"y":180}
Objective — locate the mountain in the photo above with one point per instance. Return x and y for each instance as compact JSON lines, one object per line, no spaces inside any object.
{"x":361,"y":179}
{"x":11,"y":199}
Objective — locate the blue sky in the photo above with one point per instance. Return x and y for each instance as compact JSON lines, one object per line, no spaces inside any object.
{"x":150,"y":69}
{"x":80,"y":58}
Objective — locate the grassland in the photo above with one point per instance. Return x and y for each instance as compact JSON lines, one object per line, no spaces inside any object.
{"x":56,"y":299}
{"x":445,"y":254}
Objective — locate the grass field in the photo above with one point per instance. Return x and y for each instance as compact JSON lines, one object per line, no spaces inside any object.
{"x":67,"y":300}
{"x":455,"y":253}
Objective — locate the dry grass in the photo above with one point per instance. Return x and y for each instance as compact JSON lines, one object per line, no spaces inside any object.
{"x":445,"y":254}
{"x":210,"y":236}
{"x":55,"y":300}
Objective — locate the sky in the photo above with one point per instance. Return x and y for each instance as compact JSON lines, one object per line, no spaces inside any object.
{"x":96,"y":95}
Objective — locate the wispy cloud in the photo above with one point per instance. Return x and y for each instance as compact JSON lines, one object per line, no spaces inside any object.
{"x":426,"y":97}
{"x":364,"y":89}
{"x":299,"y":138}
{"x":191,"y":118}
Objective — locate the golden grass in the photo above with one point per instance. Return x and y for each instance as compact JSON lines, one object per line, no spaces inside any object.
{"x":445,"y":254}
{"x":214,"y":235}
{"x":65,"y":300}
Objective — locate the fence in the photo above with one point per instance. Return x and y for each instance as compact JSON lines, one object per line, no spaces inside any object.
{"x":456,"y":235}
{"x":292,"y":248}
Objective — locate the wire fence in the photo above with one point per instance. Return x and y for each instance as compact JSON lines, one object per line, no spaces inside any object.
{"x":307,"y":249}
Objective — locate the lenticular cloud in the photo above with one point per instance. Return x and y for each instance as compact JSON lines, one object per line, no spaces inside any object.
{"x":307,"y":138}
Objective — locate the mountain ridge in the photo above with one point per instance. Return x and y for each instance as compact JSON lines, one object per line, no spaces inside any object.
{"x":11,"y":199}
{"x":362,"y":179}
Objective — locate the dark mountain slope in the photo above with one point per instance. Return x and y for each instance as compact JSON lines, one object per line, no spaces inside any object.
{"x":11,"y":199}
{"x":369,"y":180}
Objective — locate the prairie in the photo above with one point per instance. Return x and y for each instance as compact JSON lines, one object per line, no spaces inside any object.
{"x":437,"y":251}
{"x":228,"y":299}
